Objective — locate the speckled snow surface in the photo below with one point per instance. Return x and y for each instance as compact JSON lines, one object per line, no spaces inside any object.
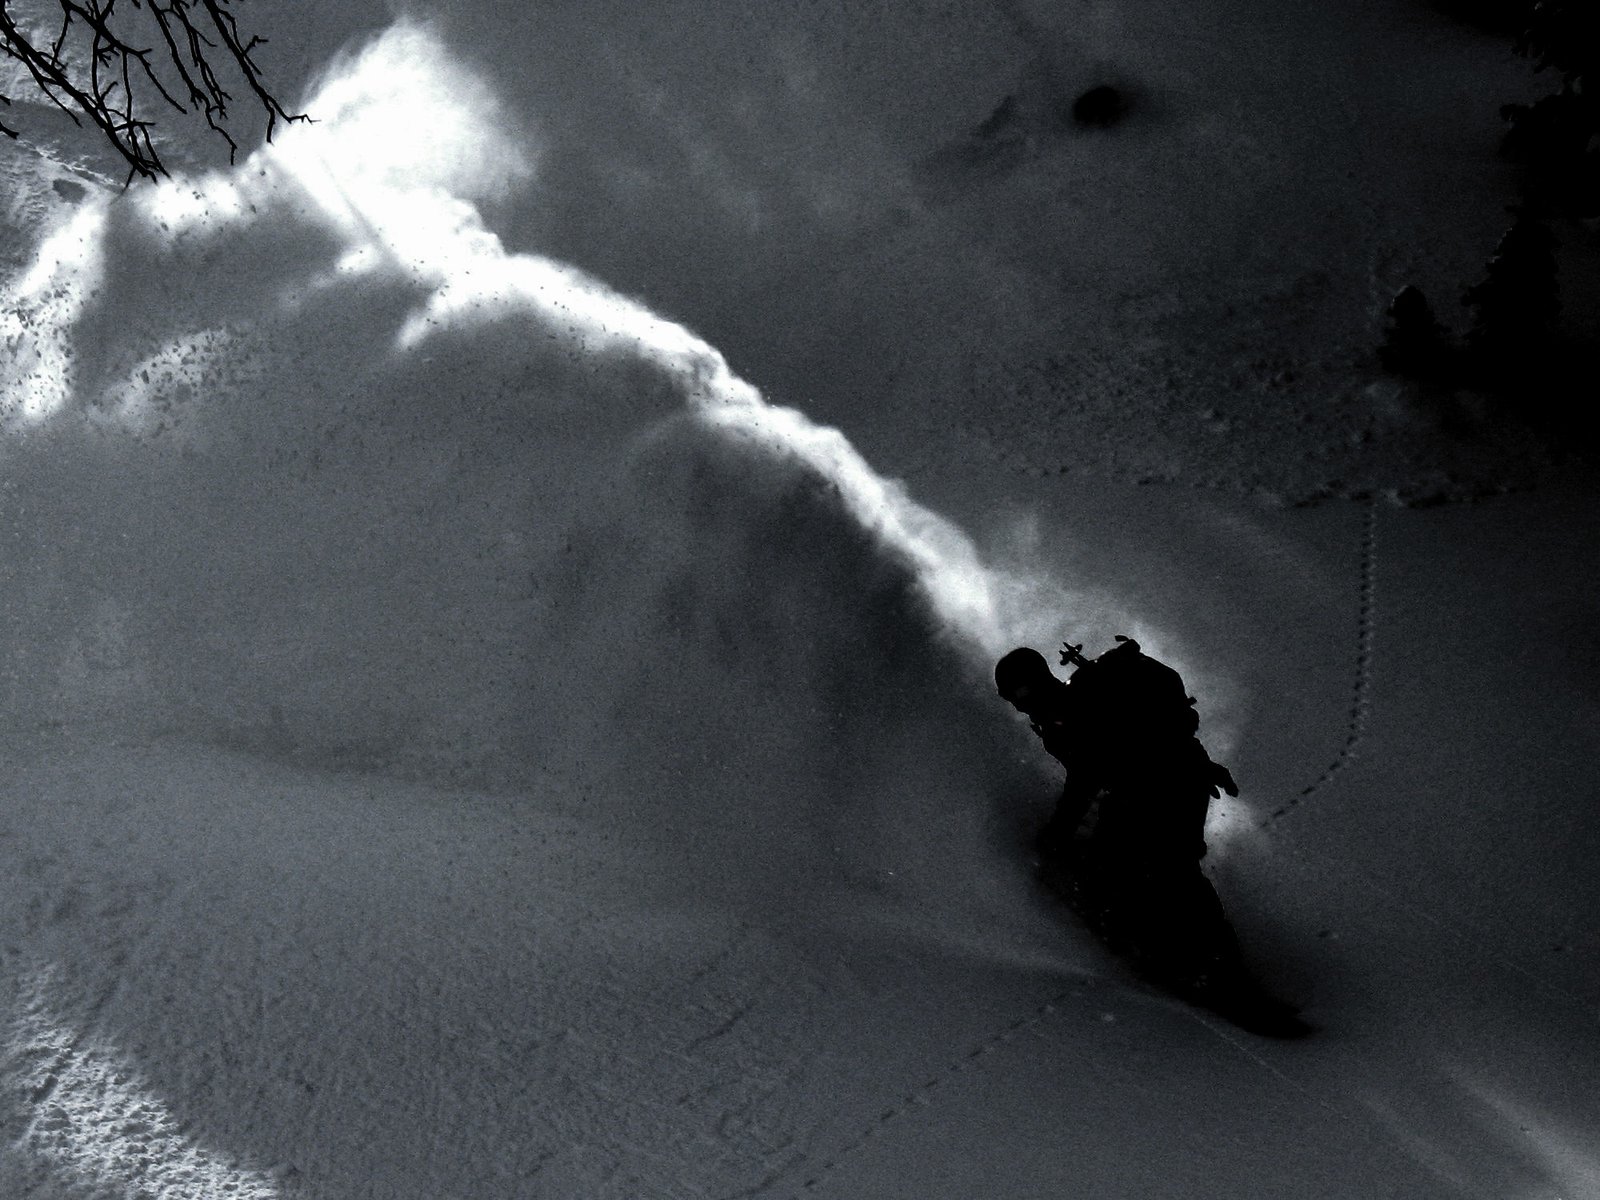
{"x":468,"y":734}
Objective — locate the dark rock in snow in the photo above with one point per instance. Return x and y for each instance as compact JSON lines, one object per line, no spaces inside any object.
{"x":1100,"y":107}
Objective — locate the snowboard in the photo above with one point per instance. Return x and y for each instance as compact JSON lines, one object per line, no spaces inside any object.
{"x":1168,"y":925}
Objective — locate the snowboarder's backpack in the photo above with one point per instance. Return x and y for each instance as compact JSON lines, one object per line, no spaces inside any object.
{"x":1125,"y":695}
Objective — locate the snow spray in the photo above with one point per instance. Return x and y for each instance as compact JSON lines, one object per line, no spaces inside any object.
{"x":300,"y":459}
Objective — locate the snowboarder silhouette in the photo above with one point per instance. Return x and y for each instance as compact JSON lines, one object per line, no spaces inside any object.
{"x":1124,"y":728}
{"x":1126,"y":838}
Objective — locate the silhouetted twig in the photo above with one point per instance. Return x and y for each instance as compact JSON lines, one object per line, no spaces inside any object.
{"x":113,"y":63}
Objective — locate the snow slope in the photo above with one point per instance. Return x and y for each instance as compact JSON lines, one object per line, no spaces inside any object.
{"x":464,"y":740}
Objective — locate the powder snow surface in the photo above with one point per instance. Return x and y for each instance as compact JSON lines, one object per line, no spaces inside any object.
{"x":467,"y":734}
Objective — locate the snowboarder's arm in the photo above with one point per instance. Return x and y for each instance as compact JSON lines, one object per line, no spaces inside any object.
{"x":1222,"y":778}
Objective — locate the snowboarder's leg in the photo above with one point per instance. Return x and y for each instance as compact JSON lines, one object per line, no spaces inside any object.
{"x":1056,"y":841}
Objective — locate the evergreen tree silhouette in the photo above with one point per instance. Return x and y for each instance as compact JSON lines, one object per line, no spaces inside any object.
{"x":1558,"y":137}
{"x":1516,"y":306}
{"x":1415,"y":344}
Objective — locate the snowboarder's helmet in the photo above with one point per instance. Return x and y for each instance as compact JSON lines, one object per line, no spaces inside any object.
{"x":1022,"y":668}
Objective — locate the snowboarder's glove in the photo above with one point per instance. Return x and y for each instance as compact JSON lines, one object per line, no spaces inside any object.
{"x":1222,"y":778}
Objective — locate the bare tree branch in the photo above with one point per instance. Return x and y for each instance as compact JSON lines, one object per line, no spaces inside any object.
{"x":114,"y":65}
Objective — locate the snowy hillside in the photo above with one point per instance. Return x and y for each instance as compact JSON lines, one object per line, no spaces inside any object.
{"x":501,"y":588}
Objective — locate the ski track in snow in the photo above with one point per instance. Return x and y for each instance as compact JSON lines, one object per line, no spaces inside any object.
{"x":1358,"y":720}
{"x":972,"y":1058}
{"x":1359,"y":714}
{"x":1361,"y":685}
{"x":1355,"y":730}
{"x":982,"y":1053}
